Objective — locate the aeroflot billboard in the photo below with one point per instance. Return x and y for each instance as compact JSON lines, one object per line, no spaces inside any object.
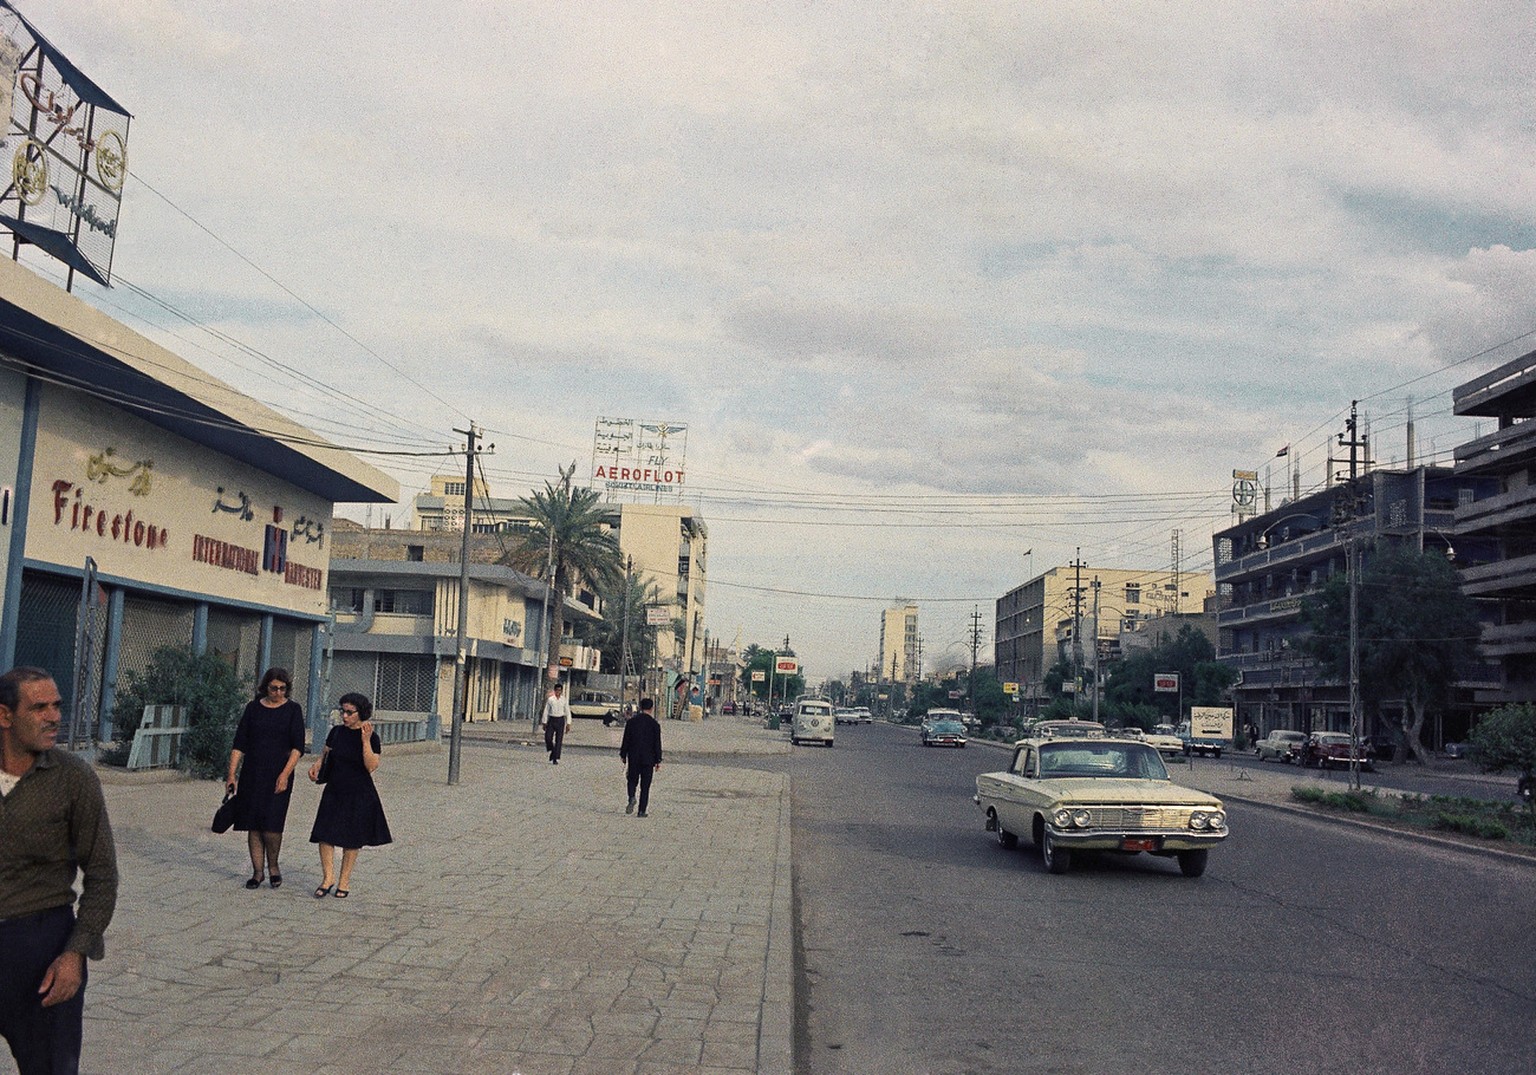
{"x":639,"y":455}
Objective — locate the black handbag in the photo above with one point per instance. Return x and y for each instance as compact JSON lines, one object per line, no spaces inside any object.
{"x":325,"y":768}
{"x":224,"y":816}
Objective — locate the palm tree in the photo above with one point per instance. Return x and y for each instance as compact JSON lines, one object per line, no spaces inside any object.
{"x":565,"y":545}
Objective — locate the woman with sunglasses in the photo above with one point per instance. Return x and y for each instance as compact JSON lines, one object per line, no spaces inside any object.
{"x":268,"y":743}
{"x":350,"y":815}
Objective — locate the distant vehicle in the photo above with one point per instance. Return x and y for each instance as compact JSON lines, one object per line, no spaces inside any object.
{"x":865,"y":716}
{"x":1281,"y":745}
{"x":1326,"y":749}
{"x":844,"y":716}
{"x":944,"y":733}
{"x":597,"y":705}
{"x":1201,"y":740}
{"x":1067,"y":729}
{"x":727,"y":708}
{"x":813,"y":722}
{"x":1456,"y":750}
{"x":1526,"y":787}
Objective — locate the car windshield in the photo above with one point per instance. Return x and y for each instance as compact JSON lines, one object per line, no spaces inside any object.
{"x":1133,"y":760}
{"x":949,"y":727}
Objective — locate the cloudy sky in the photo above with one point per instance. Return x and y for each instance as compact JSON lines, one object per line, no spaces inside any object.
{"x":930,"y":284}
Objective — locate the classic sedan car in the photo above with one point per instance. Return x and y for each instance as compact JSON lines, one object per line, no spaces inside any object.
{"x":944,"y":733}
{"x":1169,"y":746}
{"x":1280,"y":746}
{"x":1328,"y":749}
{"x":1081,"y":794}
{"x":596,"y":705}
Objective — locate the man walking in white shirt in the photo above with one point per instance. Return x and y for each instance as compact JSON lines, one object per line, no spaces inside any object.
{"x":556,"y":722}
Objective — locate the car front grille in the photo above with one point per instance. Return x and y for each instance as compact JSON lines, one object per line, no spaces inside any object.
{"x":1139,"y":818}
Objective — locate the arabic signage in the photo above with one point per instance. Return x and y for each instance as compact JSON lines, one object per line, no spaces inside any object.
{"x":1210,"y":722}
{"x":146,"y":508}
{"x":1165,"y":682}
{"x":66,"y":144}
{"x":632,"y":455}
{"x":786,"y":666}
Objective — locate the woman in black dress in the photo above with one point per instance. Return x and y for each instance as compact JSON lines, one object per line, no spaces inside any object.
{"x":350,"y":815}
{"x":269,"y":741}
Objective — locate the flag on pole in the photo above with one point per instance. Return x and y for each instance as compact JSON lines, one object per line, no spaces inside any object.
{"x":1283,"y":451}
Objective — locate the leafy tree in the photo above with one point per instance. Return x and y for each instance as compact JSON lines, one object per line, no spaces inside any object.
{"x":759,"y":658}
{"x":206,"y":685}
{"x":1504,"y":739}
{"x":1415,"y":626}
{"x":624,"y":599}
{"x":566,"y":545}
{"x":1128,"y":682}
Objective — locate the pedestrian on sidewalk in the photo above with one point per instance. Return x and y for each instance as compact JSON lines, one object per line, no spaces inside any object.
{"x":556,"y":721}
{"x":640,"y":749}
{"x":53,"y":823}
{"x":269,"y":741}
{"x":350,"y":815}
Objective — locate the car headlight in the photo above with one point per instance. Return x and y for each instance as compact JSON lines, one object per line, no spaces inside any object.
{"x":1208,"y":821}
{"x":1068,"y":818}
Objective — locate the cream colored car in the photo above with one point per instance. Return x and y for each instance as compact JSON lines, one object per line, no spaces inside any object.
{"x":1114,"y":795}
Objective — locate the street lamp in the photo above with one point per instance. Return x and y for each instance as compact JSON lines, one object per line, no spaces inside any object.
{"x":1262,"y":540}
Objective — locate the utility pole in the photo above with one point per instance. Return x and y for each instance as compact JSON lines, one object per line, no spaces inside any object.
{"x":1077,"y":625}
{"x":1095,"y":648}
{"x":1352,"y":552}
{"x":970,"y":690}
{"x":461,"y":646}
{"x":629,"y":566}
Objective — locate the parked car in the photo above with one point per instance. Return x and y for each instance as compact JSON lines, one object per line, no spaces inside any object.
{"x":1280,"y":746}
{"x":1456,"y":750}
{"x":944,"y":733}
{"x":596,"y":705}
{"x":1328,"y":749}
{"x":1070,"y":795}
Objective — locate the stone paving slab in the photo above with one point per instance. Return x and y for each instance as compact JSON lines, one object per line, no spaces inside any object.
{"x":521,"y":922}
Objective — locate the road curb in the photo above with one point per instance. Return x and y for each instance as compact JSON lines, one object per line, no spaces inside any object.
{"x":1408,"y":835}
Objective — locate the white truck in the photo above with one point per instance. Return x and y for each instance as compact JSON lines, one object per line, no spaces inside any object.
{"x":1207,"y":731}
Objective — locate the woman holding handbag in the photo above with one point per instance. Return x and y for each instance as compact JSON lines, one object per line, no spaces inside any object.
{"x":350,"y":815}
{"x":268,"y":743}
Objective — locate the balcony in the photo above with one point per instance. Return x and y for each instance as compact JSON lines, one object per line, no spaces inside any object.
{"x":1504,"y":450}
{"x":1515,"y":507}
{"x":1515,"y":577}
{"x":1282,"y":554}
{"x":1256,"y":612}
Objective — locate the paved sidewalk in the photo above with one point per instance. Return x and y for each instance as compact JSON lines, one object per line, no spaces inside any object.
{"x":521,"y":922}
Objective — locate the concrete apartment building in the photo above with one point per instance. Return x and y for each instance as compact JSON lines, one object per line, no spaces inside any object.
{"x":1493,"y":520}
{"x":898,"y":644}
{"x":1037,"y":623}
{"x":668,"y":545}
{"x":1267,"y":564}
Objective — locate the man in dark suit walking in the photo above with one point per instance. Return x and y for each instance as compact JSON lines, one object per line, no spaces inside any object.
{"x":640,"y":749}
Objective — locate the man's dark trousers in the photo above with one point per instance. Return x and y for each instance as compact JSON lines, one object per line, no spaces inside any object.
{"x":44,"y":1041}
{"x":641,"y":774}
{"x":554,"y":737}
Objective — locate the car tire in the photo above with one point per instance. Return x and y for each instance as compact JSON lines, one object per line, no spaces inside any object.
{"x":793,"y":741}
{"x":1057,"y":860}
{"x":1006,"y":839}
{"x":1192,"y":863}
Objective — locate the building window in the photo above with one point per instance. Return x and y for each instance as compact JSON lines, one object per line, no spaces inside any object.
{"x":453,"y":488}
{"x":415,"y":553}
{"x":405,"y":602}
{"x":1133,"y":593}
{"x":406,"y":681}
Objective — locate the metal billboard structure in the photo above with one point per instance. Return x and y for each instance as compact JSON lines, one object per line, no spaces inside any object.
{"x":67,"y":144}
{"x":634,"y":455}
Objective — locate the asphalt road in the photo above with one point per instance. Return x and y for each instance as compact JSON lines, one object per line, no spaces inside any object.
{"x":923,"y":947}
{"x":1458,"y":779}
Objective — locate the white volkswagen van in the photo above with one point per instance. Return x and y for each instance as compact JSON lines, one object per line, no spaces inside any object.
{"x":813,"y":722}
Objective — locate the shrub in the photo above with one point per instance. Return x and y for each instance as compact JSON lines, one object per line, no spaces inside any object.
{"x":205,"y":685}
